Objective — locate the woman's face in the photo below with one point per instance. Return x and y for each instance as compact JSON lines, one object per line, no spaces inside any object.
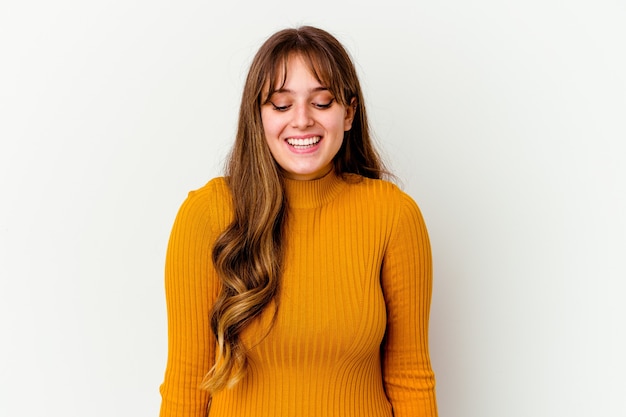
{"x":304,"y":124}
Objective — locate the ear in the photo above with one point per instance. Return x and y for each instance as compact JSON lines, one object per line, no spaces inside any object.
{"x":350,"y":113}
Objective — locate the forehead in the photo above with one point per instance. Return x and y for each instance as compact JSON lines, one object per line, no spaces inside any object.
{"x":294,"y":65}
{"x":300,"y":78}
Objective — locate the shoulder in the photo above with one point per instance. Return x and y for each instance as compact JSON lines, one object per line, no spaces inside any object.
{"x":215,"y":191}
{"x":209,"y":204}
{"x":216,"y":185}
{"x":386,"y":200}
{"x":380,"y":191}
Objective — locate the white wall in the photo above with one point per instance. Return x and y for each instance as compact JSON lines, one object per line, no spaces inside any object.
{"x":504,"y":119}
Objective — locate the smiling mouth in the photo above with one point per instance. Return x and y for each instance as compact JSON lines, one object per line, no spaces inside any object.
{"x":304,"y":143}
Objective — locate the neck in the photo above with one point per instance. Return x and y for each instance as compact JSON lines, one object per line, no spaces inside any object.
{"x":313,"y":193}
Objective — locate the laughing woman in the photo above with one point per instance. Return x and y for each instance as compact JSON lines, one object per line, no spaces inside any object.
{"x":299,"y":283}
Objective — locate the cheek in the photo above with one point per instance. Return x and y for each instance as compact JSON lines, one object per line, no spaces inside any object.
{"x":271,"y":125}
{"x":337,"y":124}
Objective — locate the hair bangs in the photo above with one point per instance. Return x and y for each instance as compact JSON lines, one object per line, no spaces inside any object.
{"x":319,"y":63}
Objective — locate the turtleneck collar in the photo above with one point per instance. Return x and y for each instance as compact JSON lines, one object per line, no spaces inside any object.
{"x":313,"y":193}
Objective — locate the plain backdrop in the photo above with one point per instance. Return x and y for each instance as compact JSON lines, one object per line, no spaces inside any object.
{"x":505,"y":120}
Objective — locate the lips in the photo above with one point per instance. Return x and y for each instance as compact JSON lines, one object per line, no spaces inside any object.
{"x":304,"y":143}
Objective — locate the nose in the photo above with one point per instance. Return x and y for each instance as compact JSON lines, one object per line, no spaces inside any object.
{"x":302,"y":117}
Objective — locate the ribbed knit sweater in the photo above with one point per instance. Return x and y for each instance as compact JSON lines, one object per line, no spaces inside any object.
{"x":351,"y":334}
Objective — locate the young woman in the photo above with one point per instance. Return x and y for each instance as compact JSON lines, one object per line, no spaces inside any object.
{"x":299,"y":283}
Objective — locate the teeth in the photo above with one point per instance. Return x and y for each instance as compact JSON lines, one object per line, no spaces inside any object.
{"x":303,"y":142}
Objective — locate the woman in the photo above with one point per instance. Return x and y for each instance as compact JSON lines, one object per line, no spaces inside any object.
{"x":299,"y":284}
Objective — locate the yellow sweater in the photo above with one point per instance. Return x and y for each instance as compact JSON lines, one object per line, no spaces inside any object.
{"x":351,"y":335}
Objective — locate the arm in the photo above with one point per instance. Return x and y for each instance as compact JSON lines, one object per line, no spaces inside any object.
{"x":190,"y":287}
{"x":407,"y":285}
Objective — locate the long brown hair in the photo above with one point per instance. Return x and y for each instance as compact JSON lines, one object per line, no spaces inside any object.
{"x":248,"y":254}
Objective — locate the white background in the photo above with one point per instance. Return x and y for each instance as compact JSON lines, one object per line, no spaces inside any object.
{"x":505,"y":120}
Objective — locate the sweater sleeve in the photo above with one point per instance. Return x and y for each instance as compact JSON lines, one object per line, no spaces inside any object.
{"x":190,"y":288}
{"x":407,"y":284}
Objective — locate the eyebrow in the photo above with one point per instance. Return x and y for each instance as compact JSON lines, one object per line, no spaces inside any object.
{"x":286,"y":90}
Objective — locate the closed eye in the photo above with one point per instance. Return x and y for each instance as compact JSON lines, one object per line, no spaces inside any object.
{"x":324,"y":106}
{"x":280,"y":108}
